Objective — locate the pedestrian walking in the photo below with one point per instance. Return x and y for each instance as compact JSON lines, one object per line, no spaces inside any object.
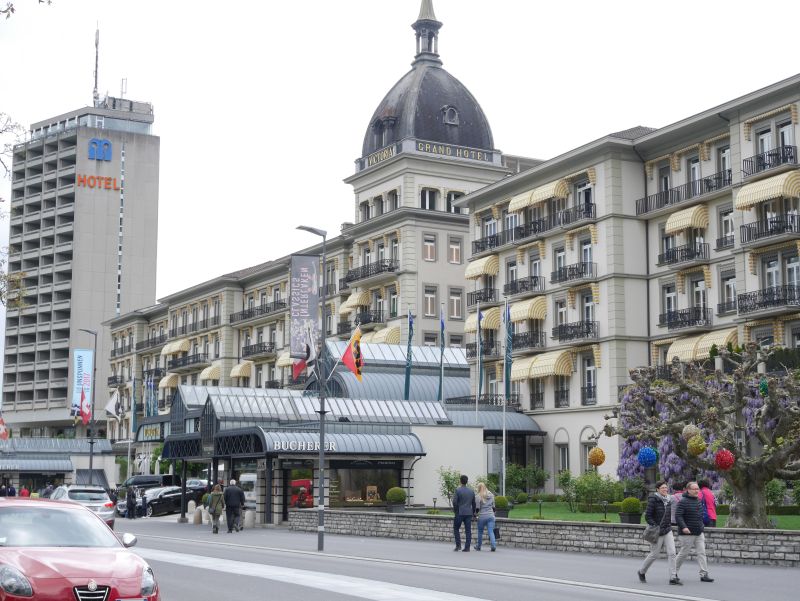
{"x":130,"y":503}
{"x":485,"y":502}
{"x":677,"y":493}
{"x":464,"y":509}
{"x":707,"y":495}
{"x":12,"y":492}
{"x":234,"y":501}
{"x":658,"y":514}
{"x":690,"y":529}
{"x":24,"y":492}
{"x":3,"y":490}
{"x":216,"y":504}
{"x":144,"y":502}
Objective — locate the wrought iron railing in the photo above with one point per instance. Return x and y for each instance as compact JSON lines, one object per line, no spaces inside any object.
{"x":114,"y":381}
{"x":534,"y":228}
{"x":576,"y":330}
{"x":728,"y":306}
{"x":343,"y":327}
{"x":156,"y":373}
{"x":783,"y":155}
{"x":588,"y":395}
{"x":725,"y":242}
{"x":488,"y":349}
{"x":273,"y":384}
{"x":561,"y":398}
{"x":486,"y":295}
{"x":151,"y":342}
{"x":486,"y":243}
{"x":682,"y":254}
{"x":684,"y":192}
{"x":768,"y":298}
{"x":577,"y":271}
{"x":534,"y":283}
{"x":371,"y":269}
{"x":576,"y":214}
{"x":121,"y":350}
{"x":685,"y":318}
{"x":259,"y":348}
{"x":491,"y":399}
{"x":371,"y":316}
{"x":537,"y":400}
{"x":528,"y":340}
{"x":188,"y":360}
{"x":258,"y":311}
{"x":767,"y":228}
{"x":343,"y":285}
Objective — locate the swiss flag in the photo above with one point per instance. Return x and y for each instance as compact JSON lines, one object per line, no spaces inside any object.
{"x":86,"y":411}
{"x":352,"y":357}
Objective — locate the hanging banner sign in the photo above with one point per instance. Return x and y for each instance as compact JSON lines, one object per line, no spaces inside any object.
{"x":81,"y":380}
{"x":304,"y":305}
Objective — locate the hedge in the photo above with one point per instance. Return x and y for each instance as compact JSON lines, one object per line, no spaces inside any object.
{"x":771,"y":510}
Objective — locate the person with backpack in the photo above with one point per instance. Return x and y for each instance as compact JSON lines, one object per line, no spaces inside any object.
{"x":709,"y":504}
{"x":690,"y":530}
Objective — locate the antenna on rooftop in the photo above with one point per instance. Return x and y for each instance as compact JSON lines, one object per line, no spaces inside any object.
{"x":95,"y":95}
{"x":123,"y":87}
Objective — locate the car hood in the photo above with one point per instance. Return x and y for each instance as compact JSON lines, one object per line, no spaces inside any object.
{"x":74,"y":562}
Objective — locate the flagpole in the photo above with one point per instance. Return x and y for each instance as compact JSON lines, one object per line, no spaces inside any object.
{"x":507,"y":378}
{"x":409,"y":357}
{"x":480,"y":364}
{"x":441,"y":354}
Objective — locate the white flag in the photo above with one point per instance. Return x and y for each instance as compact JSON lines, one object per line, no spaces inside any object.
{"x":113,"y":407}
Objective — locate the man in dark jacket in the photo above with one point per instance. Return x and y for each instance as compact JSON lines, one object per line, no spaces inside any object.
{"x":234,"y":501}
{"x":464,"y":509}
{"x":689,"y":516}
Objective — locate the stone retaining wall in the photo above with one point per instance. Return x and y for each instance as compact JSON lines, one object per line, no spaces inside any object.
{"x":723,"y":545}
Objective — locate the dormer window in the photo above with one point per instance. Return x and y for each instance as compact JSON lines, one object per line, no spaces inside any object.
{"x":450,"y":115}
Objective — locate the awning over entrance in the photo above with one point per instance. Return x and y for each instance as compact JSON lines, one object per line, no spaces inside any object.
{"x":492,"y":422}
{"x":687,"y":218}
{"x":486,"y":266}
{"x":182,"y":446}
{"x":169,"y":381}
{"x":307,"y":443}
{"x":32,"y":463}
{"x":176,"y":346}
{"x":533,"y":308}
{"x":785,"y":185}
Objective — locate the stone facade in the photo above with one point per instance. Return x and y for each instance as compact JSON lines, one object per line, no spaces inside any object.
{"x":723,"y":545}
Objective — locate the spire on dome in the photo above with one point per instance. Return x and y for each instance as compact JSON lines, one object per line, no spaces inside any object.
{"x":427,"y":28}
{"x":426,"y":11}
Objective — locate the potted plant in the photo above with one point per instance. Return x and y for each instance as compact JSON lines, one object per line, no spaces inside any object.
{"x":501,"y":507}
{"x":396,"y":500}
{"x":630,"y":511}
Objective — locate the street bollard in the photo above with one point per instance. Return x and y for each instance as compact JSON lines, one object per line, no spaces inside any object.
{"x":197,"y":517}
{"x":249,"y":519}
{"x":191,"y":506}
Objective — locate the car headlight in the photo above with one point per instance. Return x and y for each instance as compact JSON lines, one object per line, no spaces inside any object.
{"x":14,"y":582}
{"x":148,"y":582}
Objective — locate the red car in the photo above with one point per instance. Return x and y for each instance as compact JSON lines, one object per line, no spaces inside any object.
{"x":60,"y":551}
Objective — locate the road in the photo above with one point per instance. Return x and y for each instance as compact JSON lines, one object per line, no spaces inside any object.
{"x":191,"y":564}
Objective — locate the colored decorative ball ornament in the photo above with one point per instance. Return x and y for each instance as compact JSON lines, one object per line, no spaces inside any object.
{"x":597,"y":456}
{"x":690,"y":431}
{"x":763,"y":387}
{"x":647,"y":457}
{"x":696,"y":446}
{"x":724,"y":459}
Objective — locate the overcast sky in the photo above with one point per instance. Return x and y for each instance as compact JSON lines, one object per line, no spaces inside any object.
{"x":262,"y":106}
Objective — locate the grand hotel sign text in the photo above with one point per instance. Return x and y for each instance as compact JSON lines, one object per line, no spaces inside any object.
{"x":459,"y":152}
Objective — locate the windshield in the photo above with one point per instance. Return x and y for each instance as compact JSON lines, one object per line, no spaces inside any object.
{"x":87,"y":495}
{"x":247,"y":485}
{"x":49,"y":526}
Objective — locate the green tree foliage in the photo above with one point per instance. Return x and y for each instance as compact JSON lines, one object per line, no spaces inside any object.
{"x":591,"y":489}
{"x":566,"y":482}
{"x":524,"y":479}
{"x":448,"y":482}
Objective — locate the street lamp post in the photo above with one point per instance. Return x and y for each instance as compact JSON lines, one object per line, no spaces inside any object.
{"x":94,"y":386}
{"x":321,"y":379}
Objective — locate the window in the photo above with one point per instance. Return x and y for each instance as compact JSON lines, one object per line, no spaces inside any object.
{"x":430,"y":301}
{"x":395,"y":250}
{"x":763,"y":336}
{"x":583,"y":196}
{"x":537,"y":455}
{"x":364,"y":210}
{"x":589,"y":375}
{"x":561,"y":312}
{"x":724,"y":159}
{"x":667,"y":244}
{"x":511,"y":221}
{"x":449,"y":115}
{"x":381,"y":252}
{"x":699,"y":295}
{"x":429,"y":247}
{"x":259,"y":377}
{"x":451,"y":198}
{"x":587,"y":303}
{"x":663,"y":178}
{"x":586,"y":448}
{"x":456,"y":341}
{"x":694,"y":176}
{"x":560,"y":258}
{"x":264,"y":297}
{"x":728,"y":281}
{"x":377,"y":206}
{"x":586,"y":251}
{"x":537,"y":393}
{"x":454,"y":251}
{"x":770,"y":272}
{"x":534,"y":265}
{"x":562,"y":457}
{"x":726,"y":228}
{"x":427,"y":199}
{"x":216,"y":347}
{"x":791,"y":271}
{"x":394,"y":302}
{"x":430,"y":339}
{"x":785,"y":137}
{"x":392,"y":200}
{"x":764,"y":141}
{"x":511,"y":271}
{"x":455,"y":303}
{"x":366,"y":256}
{"x":260,"y":335}
{"x":489,"y":227}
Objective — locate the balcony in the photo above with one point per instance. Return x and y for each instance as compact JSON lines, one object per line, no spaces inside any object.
{"x":693,"y":317}
{"x":490,"y":399}
{"x":151,"y":342}
{"x":775,"y":297}
{"x":537,"y":400}
{"x":532,"y":284}
{"x":273,"y":384}
{"x":343,"y":328}
{"x":486,"y":243}
{"x":728,"y":306}
{"x":576,"y":331}
{"x":121,"y":350}
{"x":373,"y":316}
{"x":343,"y":286}
{"x":189,"y":362}
{"x":725,"y":242}
{"x":785,"y":155}
{"x":117,"y":381}
{"x":371,"y":270}
{"x":588,"y":396}
{"x":488,"y":349}
{"x":688,"y":253}
{"x":258,"y":311}
{"x":486,"y":295}
{"x":528,"y":340}
{"x":577,"y":214}
{"x":577,"y":271}
{"x":561,"y":398}
{"x":260,"y":349}
{"x":775,"y":227}
{"x":684,"y":192}
{"x":534,"y":228}
{"x":154,"y":374}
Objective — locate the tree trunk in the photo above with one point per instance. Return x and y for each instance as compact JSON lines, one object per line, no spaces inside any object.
{"x":749,"y":504}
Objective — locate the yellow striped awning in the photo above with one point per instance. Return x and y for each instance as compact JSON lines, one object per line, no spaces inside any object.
{"x":683,"y":349}
{"x":486,"y":266}
{"x":284,"y":360}
{"x":721,"y":338}
{"x":211,"y":372}
{"x":387,"y":336}
{"x":169,"y":381}
{"x":533,"y":308}
{"x":491,"y":321}
{"x":368,"y":337}
{"x":554,"y":363}
{"x":556,"y":189}
{"x":176,"y":346}
{"x":355,"y":300}
{"x":520,"y":202}
{"x":521,"y":367}
{"x":687,"y":218}
{"x":786,"y":185}
{"x":242,"y":370}
{"x":471,"y":323}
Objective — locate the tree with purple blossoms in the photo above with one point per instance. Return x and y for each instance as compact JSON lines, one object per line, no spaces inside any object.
{"x":694,"y":415}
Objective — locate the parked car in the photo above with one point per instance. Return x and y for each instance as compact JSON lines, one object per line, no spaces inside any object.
{"x":56,"y":550}
{"x":94,"y":498}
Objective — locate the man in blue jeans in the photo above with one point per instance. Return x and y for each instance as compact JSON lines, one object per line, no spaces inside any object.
{"x":464,"y":509}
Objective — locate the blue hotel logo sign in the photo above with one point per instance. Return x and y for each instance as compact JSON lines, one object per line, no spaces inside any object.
{"x":99,"y":150}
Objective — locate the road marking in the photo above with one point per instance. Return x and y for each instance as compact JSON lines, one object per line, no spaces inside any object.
{"x":559,"y":581}
{"x":357,"y":587}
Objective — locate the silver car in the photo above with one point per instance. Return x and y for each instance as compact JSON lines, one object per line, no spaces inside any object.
{"x":91,"y":497}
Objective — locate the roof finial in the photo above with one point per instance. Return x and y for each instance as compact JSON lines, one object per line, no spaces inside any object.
{"x":427,"y":28}
{"x":426,"y":11}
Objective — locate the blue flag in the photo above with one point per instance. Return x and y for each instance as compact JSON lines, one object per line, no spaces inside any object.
{"x":408,"y":354}
{"x":441,"y":355}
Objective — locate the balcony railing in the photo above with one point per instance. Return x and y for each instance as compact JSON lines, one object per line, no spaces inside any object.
{"x":259,"y":348}
{"x":725,"y":242}
{"x":486,"y":295}
{"x":685,"y":318}
{"x":562,"y":397}
{"x":728,"y":306}
{"x":768,"y":298}
{"x":121,"y":350}
{"x":486,"y":243}
{"x":156,"y":373}
{"x":534,"y":283}
{"x":576,"y":214}
{"x":273,"y":384}
{"x":767,"y":228}
{"x":151,"y":342}
{"x":682,"y":254}
{"x":258,"y":311}
{"x":576,"y":330}
{"x":534,"y":228}
{"x":371,"y":269}
{"x":343,"y":327}
{"x":488,"y":349}
{"x":588,"y":395}
{"x":188,"y":361}
{"x":784,"y":155}
{"x":528,"y":340}
{"x":684,"y":192}
{"x":537,"y":400}
{"x":577,"y":271}
{"x":371,"y":316}
{"x":343,"y":285}
{"x":491,"y":399}
{"x":114,"y":381}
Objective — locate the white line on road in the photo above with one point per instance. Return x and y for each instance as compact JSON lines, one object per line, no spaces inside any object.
{"x":348,"y":585}
{"x":559,"y":581}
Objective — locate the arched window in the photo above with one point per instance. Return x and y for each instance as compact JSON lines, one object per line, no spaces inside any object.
{"x":450,"y":115}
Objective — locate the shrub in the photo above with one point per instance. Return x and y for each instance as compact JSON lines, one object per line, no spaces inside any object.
{"x":433,"y":511}
{"x":522,"y":498}
{"x":631,"y":505}
{"x":611,"y":508}
{"x":633,"y":487}
{"x":546,"y":498}
{"x":526,"y":478}
{"x":567,"y":485}
{"x":396,"y":495}
{"x":501,"y":502}
{"x":592,"y":489}
{"x":448,"y":482}
{"x":774,"y":491}
{"x":490,"y":480}
{"x":796,"y":493}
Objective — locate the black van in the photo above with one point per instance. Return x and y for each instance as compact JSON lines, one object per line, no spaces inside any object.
{"x":145,"y":482}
